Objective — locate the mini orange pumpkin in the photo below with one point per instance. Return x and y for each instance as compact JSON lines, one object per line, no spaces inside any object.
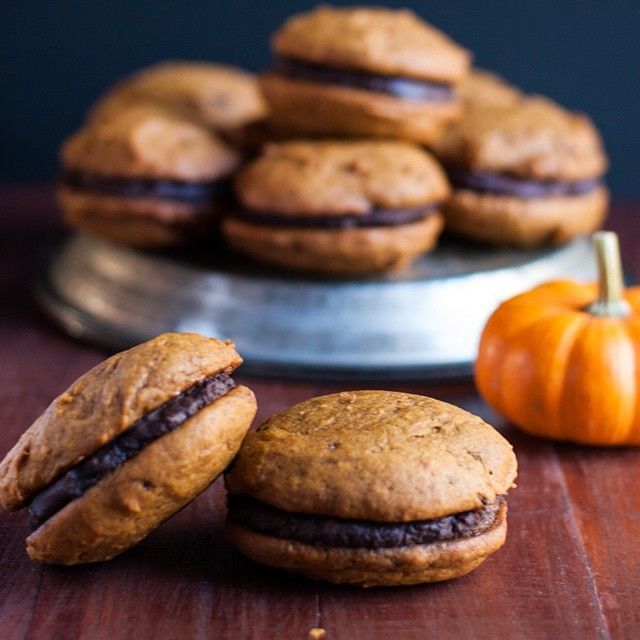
{"x":563,"y":360}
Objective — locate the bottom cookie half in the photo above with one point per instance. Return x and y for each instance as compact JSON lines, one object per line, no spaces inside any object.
{"x":139,"y":222}
{"x":321,"y":109}
{"x":393,"y":566}
{"x":524,"y":222}
{"x":351,"y":251}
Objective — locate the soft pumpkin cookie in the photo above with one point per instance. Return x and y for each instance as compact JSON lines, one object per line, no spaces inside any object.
{"x":371,"y":488}
{"x":145,"y":176}
{"x":482,"y":87}
{"x":223,"y":97}
{"x":126,"y":446}
{"x":524,"y":171}
{"x":338,"y":207}
{"x":364,"y":71}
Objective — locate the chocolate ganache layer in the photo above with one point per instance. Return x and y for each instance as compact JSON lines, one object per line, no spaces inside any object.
{"x":146,"y":187}
{"x":334,"y":532}
{"x":508,"y":185}
{"x":155,"y":424}
{"x":398,"y":86}
{"x":375,"y":218}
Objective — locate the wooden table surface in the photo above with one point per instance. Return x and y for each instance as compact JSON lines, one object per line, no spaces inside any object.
{"x":570,"y":567}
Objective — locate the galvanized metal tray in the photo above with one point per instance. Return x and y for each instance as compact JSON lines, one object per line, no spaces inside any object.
{"x":422,"y":323}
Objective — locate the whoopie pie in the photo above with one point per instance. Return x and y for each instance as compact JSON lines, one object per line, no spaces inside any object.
{"x":131,"y":442}
{"x":371,"y":488}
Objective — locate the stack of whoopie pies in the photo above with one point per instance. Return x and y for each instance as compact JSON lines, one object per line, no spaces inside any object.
{"x":366,"y":487}
{"x":365,"y":87}
{"x":351,"y":101}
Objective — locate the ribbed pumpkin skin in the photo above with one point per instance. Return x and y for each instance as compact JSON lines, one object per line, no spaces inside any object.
{"x":555,"y":370}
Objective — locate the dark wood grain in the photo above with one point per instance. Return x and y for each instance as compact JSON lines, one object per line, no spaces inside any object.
{"x":570,"y":567}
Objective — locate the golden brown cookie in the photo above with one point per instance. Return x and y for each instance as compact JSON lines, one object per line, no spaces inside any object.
{"x":482,"y":87}
{"x":363,"y":71}
{"x":338,"y":207}
{"x":145,"y":177}
{"x":371,"y":488}
{"x":525,"y":222}
{"x":524,"y":170}
{"x":350,"y":251}
{"x":534,"y":139}
{"x":223,"y":97}
{"x":126,"y":446}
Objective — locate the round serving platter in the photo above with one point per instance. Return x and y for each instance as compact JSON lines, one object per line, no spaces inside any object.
{"x":424,"y":322}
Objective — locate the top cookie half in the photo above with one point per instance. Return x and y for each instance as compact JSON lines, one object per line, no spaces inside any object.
{"x":374,"y":455}
{"x":341,"y":177}
{"x":373,"y":39}
{"x":220,"y":96}
{"x":530,"y":137}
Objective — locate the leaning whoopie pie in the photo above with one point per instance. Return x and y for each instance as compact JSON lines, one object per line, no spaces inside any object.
{"x":525,"y":172}
{"x":126,"y":446}
{"x":371,"y":488}
{"x":145,"y":176}
{"x":338,"y":207}
{"x":364,"y":71}
{"x":223,"y":97}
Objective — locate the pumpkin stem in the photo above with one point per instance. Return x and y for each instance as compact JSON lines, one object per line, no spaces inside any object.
{"x":610,"y":300}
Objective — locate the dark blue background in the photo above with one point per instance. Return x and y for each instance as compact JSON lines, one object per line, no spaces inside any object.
{"x":58,"y":56}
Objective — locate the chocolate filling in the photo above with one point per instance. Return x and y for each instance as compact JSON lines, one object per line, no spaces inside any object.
{"x":508,"y":185}
{"x":398,"y":86}
{"x":167,"y":417}
{"x":334,"y":532}
{"x":375,"y":218}
{"x":146,"y":187}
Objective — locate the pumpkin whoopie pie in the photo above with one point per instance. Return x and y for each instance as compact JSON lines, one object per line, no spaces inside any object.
{"x":524,"y":172}
{"x":145,"y":176}
{"x":363,"y":71}
{"x":223,"y":97}
{"x":126,"y":446}
{"x":338,"y":207}
{"x":371,"y":488}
